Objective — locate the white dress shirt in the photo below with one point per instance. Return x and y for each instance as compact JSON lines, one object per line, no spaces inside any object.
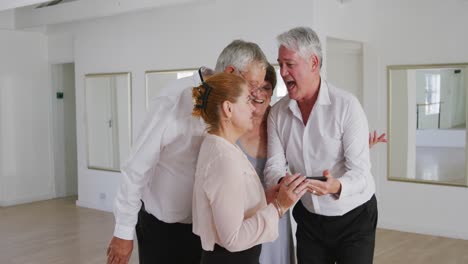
{"x":335,"y":138}
{"x":229,"y":205}
{"x":161,"y":167}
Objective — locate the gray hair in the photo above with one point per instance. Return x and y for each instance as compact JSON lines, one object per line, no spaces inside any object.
{"x":303,"y":40}
{"x":240,"y":54}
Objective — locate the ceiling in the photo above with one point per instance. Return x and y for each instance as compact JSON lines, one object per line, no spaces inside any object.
{"x":12,"y":4}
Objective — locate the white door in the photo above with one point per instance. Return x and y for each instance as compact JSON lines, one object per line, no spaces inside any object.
{"x":345,"y":65}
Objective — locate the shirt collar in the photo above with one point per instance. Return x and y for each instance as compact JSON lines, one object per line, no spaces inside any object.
{"x":322,"y":99}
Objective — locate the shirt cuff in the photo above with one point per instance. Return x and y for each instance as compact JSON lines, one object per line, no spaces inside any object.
{"x":275,"y":180}
{"x":344,"y":189}
{"x":124,"y":232}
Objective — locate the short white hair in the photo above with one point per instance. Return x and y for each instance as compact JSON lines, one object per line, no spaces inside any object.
{"x":303,"y":40}
{"x":240,"y":54}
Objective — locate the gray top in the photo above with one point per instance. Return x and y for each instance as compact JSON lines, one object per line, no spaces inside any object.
{"x":257,"y":163}
{"x":281,"y":250}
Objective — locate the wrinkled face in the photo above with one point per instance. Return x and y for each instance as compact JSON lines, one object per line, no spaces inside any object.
{"x":261,"y":98}
{"x":297,"y":73}
{"x":254,"y":74}
{"x":242,"y":111}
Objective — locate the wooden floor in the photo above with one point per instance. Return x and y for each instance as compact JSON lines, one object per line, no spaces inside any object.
{"x":57,"y":231}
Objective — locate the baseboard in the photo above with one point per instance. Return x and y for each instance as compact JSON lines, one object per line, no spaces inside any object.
{"x":24,"y":200}
{"x":95,"y":206}
{"x":456,"y":234}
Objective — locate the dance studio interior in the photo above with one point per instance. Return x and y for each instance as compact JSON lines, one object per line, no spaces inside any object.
{"x":77,"y":78}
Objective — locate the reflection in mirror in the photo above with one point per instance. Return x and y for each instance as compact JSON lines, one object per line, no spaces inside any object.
{"x":427,"y":123}
{"x":108,"y":119}
{"x":280,"y":89}
{"x":157,"y":81}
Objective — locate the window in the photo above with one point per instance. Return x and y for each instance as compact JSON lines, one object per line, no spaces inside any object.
{"x":432,"y":93}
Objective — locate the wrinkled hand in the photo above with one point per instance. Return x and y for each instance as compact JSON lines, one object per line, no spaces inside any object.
{"x":373,"y":139}
{"x":271,"y":193}
{"x":119,"y":251}
{"x":292,"y":187}
{"x":319,"y":188}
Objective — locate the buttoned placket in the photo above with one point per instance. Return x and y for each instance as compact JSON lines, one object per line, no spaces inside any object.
{"x":306,"y":144}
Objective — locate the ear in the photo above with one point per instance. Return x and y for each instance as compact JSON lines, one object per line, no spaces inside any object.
{"x":230,"y":69}
{"x":227,"y":109}
{"x":315,"y":62}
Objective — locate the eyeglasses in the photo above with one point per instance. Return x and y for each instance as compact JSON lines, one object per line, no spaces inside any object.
{"x":253,"y":84}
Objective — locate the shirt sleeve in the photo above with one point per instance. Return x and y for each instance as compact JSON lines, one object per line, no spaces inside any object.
{"x":226,"y":192}
{"x":276,"y":162}
{"x":356,"y":150}
{"x":137,"y":170}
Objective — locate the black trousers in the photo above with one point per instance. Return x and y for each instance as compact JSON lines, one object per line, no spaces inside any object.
{"x":347,"y":239}
{"x":161,"y":243}
{"x":221,"y":255}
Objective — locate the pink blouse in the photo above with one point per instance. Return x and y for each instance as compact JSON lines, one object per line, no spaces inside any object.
{"x":229,"y":205}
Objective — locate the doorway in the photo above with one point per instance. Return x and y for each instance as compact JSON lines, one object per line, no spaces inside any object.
{"x":345,"y":65}
{"x":64,"y":127}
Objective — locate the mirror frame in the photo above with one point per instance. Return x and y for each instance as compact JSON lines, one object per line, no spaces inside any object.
{"x":389,"y":119}
{"x":130,"y":125}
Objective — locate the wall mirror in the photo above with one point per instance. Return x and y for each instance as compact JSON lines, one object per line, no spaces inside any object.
{"x":156,"y":81}
{"x":280,"y":89}
{"x":427,"y":117}
{"x":108,"y":119}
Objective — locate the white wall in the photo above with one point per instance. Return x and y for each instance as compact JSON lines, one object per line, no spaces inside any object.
{"x":25,"y":117}
{"x":7,"y":19}
{"x":415,"y":32}
{"x":61,"y":48}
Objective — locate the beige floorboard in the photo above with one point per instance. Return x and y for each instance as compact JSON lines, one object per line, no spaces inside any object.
{"x":58,"y":232}
{"x":54,"y":232}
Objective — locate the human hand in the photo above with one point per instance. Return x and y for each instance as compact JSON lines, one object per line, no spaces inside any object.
{"x":373,"y":139}
{"x":292,"y":187}
{"x":330,"y":186}
{"x":119,"y":251}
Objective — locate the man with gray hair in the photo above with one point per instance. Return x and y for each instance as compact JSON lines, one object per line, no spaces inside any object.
{"x":155,"y":198}
{"x":320,"y":130}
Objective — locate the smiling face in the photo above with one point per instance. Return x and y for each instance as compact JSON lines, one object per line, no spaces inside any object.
{"x":299,"y":75}
{"x":254,"y":74}
{"x":261,"y":98}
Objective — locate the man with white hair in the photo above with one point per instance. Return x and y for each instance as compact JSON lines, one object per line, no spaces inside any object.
{"x":321,"y":130}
